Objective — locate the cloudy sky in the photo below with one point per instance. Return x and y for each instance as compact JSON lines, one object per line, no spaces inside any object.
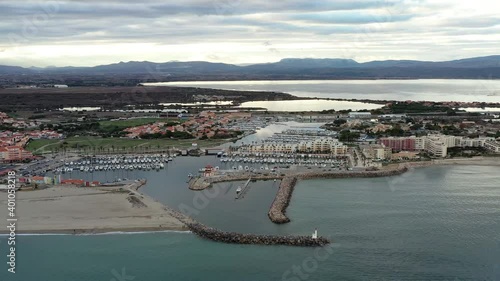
{"x":92,"y":32}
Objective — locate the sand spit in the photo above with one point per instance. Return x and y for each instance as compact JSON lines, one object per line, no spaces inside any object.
{"x":76,"y":210}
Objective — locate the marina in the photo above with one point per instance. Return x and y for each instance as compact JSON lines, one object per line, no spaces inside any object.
{"x":113,"y":163}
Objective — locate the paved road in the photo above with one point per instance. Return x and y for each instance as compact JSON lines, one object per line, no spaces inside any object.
{"x":40,"y":167}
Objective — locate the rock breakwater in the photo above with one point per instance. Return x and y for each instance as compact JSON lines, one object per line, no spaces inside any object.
{"x":351,"y":174}
{"x":277,"y":212}
{"x":238,"y":238}
{"x":278,"y":208}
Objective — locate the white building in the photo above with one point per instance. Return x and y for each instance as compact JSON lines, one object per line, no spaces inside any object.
{"x":325,"y":145}
{"x":273,"y":147}
{"x":492,"y":145}
{"x":360,"y":115}
{"x":376,"y":151}
{"x":479,"y":142}
{"x":438,"y":144}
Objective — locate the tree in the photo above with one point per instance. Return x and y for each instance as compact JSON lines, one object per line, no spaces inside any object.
{"x":348,"y":136}
{"x":339,"y":122}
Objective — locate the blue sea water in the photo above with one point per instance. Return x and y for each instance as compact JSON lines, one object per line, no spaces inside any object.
{"x":437,"y":223}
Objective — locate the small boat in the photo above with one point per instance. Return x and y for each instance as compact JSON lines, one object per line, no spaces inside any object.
{"x":238,"y":190}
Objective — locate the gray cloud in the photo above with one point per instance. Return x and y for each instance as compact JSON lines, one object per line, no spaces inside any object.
{"x":295,"y":27}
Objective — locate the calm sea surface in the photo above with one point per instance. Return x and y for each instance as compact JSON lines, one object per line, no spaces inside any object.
{"x":439,"y":223}
{"x":417,"y":90}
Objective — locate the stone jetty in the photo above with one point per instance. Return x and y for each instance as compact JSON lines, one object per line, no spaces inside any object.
{"x":281,"y":201}
{"x":354,"y":174}
{"x":277,"y":211}
{"x":238,"y":238}
{"x":216,"y":235}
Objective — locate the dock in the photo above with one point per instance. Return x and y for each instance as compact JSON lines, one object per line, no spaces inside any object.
{"x":244,"y":189}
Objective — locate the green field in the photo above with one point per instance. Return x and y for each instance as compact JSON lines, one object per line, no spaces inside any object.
{"x":134,"y":122}
{"x":96,"y":145}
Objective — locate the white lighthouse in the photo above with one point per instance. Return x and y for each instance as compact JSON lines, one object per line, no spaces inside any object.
{"x":315,"y":234}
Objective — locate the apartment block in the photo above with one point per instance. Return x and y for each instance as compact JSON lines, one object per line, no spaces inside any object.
{"x":403,"y":143}
{"x":492,"y":145}
{"x":376,"y":151}
{"x":320,"y":145}
{"x":14,"y":153}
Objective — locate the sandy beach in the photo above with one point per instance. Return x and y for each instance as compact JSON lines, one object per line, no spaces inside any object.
{"x":76,"y":210}
{"x":479,"y":161}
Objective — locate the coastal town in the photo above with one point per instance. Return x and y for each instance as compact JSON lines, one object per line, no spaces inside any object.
{"x":230,"y":140}
{"x":362,"y":139}
{"x":110,"y":151}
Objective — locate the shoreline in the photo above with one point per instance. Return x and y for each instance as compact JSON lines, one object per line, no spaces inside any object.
{"x":179,"y":222}
{"x":477,"y":161}
{"x":97,"y":210}
{"x":102,"y":231}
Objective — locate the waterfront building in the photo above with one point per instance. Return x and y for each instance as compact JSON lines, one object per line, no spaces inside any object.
{"x":403,"y":143}
{"x":435,"y":144}
{"x":272,"y":147}
{"x":479,"y":142}
{"x":323,"y":145}
{"x":492,"y":145}
{"x":326,"y":145}
{"x":376,"y":151}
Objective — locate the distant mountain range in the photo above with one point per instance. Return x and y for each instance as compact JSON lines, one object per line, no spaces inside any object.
{"x":481,"y":67}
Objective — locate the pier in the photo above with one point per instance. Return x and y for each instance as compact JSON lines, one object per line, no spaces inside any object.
{"x":244,"y":189}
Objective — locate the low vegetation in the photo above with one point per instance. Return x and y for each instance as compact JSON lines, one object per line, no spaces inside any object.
{"x":92,"y":145}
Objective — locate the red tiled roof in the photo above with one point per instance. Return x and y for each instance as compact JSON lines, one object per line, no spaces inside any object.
{"x":71,"y":181}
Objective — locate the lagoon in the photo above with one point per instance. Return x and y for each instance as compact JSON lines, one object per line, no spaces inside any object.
{"x":417,"y":90}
